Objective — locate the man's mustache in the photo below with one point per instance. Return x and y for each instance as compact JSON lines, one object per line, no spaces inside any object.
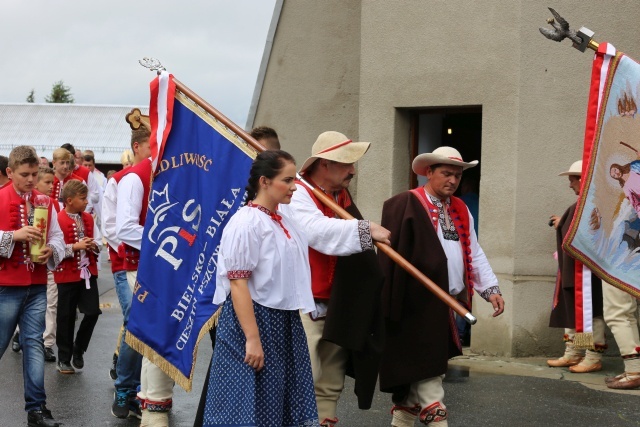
{"x":350,"y":176}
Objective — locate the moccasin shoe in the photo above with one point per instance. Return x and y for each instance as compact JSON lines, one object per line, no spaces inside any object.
{"x":563,"y":362}
{"x":583,"y":368}
{"x":608,"y":380}
{"x":629,"y":381}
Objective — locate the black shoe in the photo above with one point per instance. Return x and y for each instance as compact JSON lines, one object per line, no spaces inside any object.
{"x":113,"y":374}
{"x":41,"y":418}
{"x":15,"y":342}
{"x":49,"y":355}
{"x":77,"y":360}
{"x":65,"y":368}
{"x":134,"y":407}
{"x":121,"y":405}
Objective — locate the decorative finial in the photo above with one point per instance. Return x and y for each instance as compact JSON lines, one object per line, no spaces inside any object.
{"x":582,"y":40}
{"x":135,"y":118}
{"x":152,"y":64}
{"x":560,"y":30}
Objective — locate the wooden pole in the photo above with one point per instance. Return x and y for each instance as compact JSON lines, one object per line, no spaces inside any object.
{"x":395,"y":256}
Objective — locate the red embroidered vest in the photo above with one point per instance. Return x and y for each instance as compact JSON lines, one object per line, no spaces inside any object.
{"x":129,"y":254}
{"x":460,"y":216}
{"x":15,"y":270}
{"x":83,"y":173}
{"x":69,"y":268}
{"x":323,"y":266}
{"x":57,"y":186}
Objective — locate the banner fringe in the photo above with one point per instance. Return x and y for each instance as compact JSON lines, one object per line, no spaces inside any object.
{"x":166,"y":366}
{"x":584,"y":341}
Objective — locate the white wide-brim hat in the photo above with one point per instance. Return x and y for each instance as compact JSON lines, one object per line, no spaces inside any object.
{"x":440,"y":156}
{"x":337,"y":147}
{"x":574,"y":170}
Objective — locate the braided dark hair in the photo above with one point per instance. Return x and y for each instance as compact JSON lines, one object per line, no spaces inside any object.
{"x":268,"y":164}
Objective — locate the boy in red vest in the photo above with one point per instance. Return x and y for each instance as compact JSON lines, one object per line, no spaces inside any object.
{"x":76,"y":277}
{"x":62,"y":171}
{"x":23,"y":280}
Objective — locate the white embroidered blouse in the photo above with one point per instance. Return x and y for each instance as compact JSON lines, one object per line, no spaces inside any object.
{"x":255,"y":246}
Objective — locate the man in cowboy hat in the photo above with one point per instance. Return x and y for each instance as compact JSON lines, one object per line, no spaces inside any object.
{"x":563,"y":313}
{"x":434,"y":231}
{"x":346,"y":324}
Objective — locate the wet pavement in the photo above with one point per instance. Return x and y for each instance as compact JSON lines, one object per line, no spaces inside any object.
{"x":480,"y":391}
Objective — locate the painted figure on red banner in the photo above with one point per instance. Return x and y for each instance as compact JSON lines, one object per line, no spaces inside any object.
{"x":628,"y":176}
{"x":435,"y":232}
{"x":563,"y":314}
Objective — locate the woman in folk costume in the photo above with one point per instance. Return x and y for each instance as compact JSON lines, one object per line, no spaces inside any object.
{"x":563,"y":314}
{"x":261,"y":372}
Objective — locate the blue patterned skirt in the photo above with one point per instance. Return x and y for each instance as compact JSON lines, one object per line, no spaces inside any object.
{"x":281,"y":394}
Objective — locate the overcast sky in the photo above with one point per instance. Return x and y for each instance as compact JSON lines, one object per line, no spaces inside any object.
{"x":212,"y":46}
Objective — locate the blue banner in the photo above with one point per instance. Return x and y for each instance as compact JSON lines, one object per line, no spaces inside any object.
{"x":201,"y":171}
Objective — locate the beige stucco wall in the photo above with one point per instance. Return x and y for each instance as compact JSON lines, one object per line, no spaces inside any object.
{"x":357,"y":66}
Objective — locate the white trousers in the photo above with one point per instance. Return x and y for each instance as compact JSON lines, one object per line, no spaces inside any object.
{"x":621,"y":315}
{"x":51,"y":313}
{"x":424,"y":394}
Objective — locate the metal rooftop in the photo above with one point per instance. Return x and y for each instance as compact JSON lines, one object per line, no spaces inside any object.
{"x":100,"y":128}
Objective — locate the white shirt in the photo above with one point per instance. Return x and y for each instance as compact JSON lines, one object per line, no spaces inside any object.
{"x":101,"y":182}
{"x":483,"y":276}
{"x":93,"y":192}
{"x":130,"y":194}
{"x":108,"y":217}
{"x":330,"y":236}
{"x":255,"y":246}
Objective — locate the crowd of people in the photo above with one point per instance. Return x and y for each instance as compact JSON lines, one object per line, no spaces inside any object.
{"x":305,"y":298}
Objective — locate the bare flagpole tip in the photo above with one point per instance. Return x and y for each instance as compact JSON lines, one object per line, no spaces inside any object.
{"x":152,"y":64}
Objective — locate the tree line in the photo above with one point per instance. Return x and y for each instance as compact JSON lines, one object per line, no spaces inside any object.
{"x":60,"y":94}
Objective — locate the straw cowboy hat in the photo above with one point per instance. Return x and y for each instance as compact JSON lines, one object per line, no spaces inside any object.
{"x":574,"y":170}
{"x":337,"y":147}
{"x":441,"y":155}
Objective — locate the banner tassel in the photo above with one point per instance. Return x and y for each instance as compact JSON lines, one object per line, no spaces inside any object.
{"x":162,"y":363}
